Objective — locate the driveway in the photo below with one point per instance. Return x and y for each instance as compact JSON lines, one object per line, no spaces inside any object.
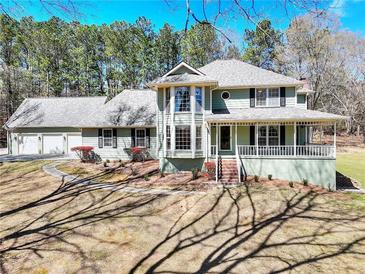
{"x":32,"y":157}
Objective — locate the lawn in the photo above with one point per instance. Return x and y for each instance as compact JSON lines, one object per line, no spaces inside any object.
{"x":47,"y":226}
{"x":351,"y":162}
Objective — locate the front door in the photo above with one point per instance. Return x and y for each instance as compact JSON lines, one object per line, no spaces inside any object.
{"x":225,"y":138}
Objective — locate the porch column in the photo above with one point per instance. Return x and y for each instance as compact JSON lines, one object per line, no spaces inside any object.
{"x":334,"y":140}
{"x":257,"y":138}
{"x":193,"y":127}
{"x":295,"y":138}
{"x":216,"y":139}
{"x":235,"y":139}
{"x":207,"y":142}
{"x":172,"y":119}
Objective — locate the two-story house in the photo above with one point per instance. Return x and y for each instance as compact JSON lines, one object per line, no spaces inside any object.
{"x":246,"y":119}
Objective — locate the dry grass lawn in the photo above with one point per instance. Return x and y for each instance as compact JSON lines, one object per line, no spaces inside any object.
{"x":50,"y":227}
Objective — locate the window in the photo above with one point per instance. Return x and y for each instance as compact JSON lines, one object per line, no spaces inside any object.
{"x":182,"y":140}
{"x":167,"y":100}
{"x":140,"y":137}
{"x":262,"y":136}
{"x":268,"y":135}
{"x":267,"y":97}
{"x":301,"y":98}
{"x":198,"y":99}
{"x":107,"y":137}
{"x":198,"y":138}
{"x":168,"y":137}
{"x":225,"y":95}
{"x":182,"y":99}
{"x":273,"y":135}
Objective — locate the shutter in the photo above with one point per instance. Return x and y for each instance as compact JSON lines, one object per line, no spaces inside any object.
{"x":148,"y":138}
{"x":282,"y":135}
{"x":115,"y":137}
{"x":133,"y":137}
{"x":282,"y":97}
{"x":252,"y":135}
{"x":100,"y":138}
{"x":252,"y":97}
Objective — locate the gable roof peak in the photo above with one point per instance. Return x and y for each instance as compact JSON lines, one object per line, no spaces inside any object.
{"x":187,"y":66}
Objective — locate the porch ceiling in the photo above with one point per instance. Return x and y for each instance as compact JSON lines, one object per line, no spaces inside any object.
{"x":272,"y":115}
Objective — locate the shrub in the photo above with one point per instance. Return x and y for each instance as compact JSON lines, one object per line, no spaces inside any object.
{"x":107,"y":161}
{"x":84,"y":153}
{"x":134,"y":171}
{"x":256,"y":178}
{"x":270,"y":177}
{"x":305,"y":182}
{"x":291,"y":184}
{"x":105,"y":164}
{"x":162,"y":174}
{"x":146,"y":177}
{"x":195,"y":172}
{"x":137,"y":154}
{"x":210,"y":168}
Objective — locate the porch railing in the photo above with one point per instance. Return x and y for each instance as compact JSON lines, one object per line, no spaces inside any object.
{"x":319,"y":151}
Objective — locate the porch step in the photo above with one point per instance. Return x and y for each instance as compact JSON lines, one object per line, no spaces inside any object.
{"x":229,"y":171}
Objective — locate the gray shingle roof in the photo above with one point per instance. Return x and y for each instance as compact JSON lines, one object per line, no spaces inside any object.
{"x":272,"y":114}
{"x":234,"y":73}
{"x":131,"y":107}
{"x":184,"y":78}
{"x":54,"y":112}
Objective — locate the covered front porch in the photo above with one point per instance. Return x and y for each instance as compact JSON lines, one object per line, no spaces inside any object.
{"x":286,"y":139}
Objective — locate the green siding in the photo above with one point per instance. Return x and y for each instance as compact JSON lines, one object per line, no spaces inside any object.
{"x":90,"y":138}
{"x":289,"y":135}
{"x":175,"y":165}
{"x":238,"y":99}
{"x":318,"y":171}
{"x":243,"y":135}
{"x":290,"y":96}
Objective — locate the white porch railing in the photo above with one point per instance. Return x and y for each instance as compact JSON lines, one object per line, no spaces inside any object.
{"x":319,"y":151}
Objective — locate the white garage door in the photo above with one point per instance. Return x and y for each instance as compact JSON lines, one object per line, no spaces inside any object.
{"x":73,"y":140}
{"x":52,"y":144}
{"x":28,"y":144}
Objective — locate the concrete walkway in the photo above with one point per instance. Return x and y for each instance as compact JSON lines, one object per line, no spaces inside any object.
{"x":52,"y":170}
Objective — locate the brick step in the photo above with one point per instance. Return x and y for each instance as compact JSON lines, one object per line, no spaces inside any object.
{"x":229,"y":181}
{"x":229,"y":173}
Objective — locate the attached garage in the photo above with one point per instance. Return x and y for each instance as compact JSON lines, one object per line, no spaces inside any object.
{"x":28,"y":144}
{"x":73,"y":140}
{"x":53,"y":144}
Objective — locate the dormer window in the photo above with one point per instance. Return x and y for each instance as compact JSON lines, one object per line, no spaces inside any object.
{"x":267,"y":97}
{"x":182,"y":99}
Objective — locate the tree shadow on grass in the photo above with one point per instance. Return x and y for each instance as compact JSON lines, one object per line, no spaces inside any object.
{"x":60,"y":213}
{"x":235,"y":239}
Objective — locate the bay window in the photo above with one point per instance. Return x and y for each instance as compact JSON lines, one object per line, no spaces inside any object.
{"x":182,"y":138}
{"x":168,"y":137}
{"x":267,"y":97}
{"x":198,"y":138}
{"x":182,"y":99}
{"x":198,"y":99}
{"x":167,"y":100}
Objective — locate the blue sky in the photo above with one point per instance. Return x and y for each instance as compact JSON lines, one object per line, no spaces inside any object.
{"x":350,"y":12}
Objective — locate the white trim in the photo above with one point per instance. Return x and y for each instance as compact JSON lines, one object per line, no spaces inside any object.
{"x":164,"y":124}
{"x":172,"y":119}
{"x":230,"y":138}
{"x":185,"y":65}
{"x":211,"y":100}
{"x":193,"y":127}
{"x":203,"y":102}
